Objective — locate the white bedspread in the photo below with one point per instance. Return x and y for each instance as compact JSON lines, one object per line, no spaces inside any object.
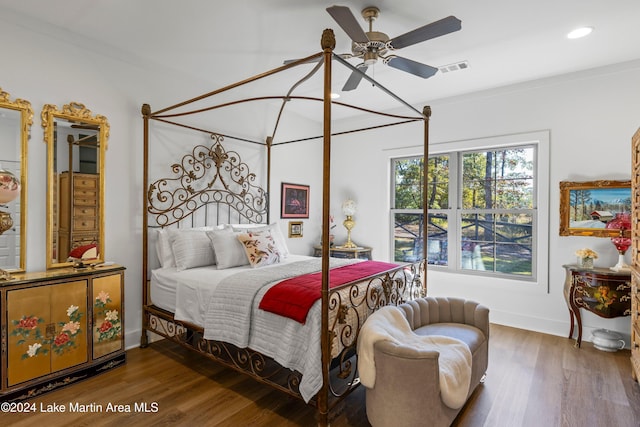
{"x":234,"y":306}
{"x":390,"y":324}
{"x":296,"y":346}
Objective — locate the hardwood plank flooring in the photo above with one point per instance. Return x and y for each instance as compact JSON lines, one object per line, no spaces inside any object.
{"x":533,"y":380}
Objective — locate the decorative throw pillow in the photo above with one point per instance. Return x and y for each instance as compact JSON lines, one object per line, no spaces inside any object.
{"x":275,"y":230}
{"x":228,"y":249}
{"x":192,"y":249}
{"x":260,"y":248}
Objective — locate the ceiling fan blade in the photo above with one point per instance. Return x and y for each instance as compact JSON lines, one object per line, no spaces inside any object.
{"x":343,"y":16}
{"x":435,"y":29}
{"x":354,"y":79}
{"x":413,"y":67}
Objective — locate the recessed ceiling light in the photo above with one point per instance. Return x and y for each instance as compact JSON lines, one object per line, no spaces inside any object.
{"x":335,"y":95}
{"x":580,"y":32}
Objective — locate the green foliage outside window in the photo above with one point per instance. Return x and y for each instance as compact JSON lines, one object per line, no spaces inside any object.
{"x":496,"y":209}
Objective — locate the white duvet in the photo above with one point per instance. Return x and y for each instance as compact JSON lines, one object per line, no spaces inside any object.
{"x":290,"y":343}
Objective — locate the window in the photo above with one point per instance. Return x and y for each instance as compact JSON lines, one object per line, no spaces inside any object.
{"x":483,"y":216}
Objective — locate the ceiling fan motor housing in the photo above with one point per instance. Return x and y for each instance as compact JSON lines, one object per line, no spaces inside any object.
{"x":377,"y":45}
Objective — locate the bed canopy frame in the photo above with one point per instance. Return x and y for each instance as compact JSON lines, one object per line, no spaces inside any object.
{"x":212,"y":178}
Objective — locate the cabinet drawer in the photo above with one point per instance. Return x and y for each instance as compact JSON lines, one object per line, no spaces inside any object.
{"x":86,"y":183}
{"x":84,"y":224}
{"x":90,"y":211}
{"x":85,"y":197}
{"x":340,"y":254}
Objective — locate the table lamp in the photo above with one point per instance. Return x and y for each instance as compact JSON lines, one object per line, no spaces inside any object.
{"x":349,"y":210}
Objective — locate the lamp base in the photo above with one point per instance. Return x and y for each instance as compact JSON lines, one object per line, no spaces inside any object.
{"x":621,"y":265}
{"x":349,"y":245}
{"x":349,"y":223}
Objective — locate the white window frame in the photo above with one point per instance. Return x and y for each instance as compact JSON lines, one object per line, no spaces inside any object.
{"x":540,"y":243}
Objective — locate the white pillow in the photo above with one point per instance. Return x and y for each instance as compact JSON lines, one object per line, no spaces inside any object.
{"x":274,"y":228}
{"x":164,"y":242}
{"x":260,"y":248}
{"x":163,"y":249}
{"x":228,"y":249}
{"x":192,"y":249}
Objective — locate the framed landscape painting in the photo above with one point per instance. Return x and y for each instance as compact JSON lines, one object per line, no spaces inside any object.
{"x":586,"y":207}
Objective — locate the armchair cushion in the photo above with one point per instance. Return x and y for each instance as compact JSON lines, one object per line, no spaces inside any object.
{"x":470,"y":335}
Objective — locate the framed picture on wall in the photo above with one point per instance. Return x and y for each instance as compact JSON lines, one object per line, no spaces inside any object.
{"x":586,"y":207}
{"x":294,"y":201}
{"x":295,"y":229}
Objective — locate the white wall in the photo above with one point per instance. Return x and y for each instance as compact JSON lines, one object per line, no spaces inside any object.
{"x":591,"y":117}
{"x":47,"y":65}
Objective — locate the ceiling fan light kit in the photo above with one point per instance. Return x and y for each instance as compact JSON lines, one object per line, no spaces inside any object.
{"x":373,"y":45}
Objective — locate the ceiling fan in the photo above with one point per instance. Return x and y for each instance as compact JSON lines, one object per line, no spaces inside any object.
{"x":374,"y":45}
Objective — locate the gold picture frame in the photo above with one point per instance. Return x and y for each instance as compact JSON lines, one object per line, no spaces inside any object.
{"x":586,"y":207}
{"x":295,"y":229}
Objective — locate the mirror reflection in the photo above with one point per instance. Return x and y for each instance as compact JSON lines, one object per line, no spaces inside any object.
{"x":16,"y":118}
{"x":76,"y":143}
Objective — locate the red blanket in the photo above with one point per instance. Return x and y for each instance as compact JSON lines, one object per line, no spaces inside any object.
{"x":294,"y":297}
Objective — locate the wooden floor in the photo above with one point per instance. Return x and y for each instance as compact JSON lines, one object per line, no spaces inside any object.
{"x":533,"y":380}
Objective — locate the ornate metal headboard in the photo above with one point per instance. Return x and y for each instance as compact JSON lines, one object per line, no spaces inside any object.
{"x":212,"y":179}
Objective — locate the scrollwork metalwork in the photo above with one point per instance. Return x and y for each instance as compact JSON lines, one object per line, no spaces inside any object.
{"x":351,"y":305}
{"x":207,"y":175}
{"x":349,"y":308}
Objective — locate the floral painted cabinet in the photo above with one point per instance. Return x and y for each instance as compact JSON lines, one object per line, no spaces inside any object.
{"x":107,"y":315}
{"x":59,"y":327}
{"x":48,"y":329}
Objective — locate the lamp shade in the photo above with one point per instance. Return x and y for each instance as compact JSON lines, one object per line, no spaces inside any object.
{"x":622,"y":222}
{"x":9,"y":186}
{"x":349,"y":207}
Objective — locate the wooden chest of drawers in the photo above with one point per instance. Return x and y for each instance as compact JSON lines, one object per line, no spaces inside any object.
{"x":79,"y":211}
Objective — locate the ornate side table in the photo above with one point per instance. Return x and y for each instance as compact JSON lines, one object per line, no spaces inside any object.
{"x":340,"y":252}
{"x":602,"y":291}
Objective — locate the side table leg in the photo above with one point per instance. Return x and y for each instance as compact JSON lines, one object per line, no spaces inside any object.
{"x":579,"y":319}
{"x":576,"y":312}
{"x":572,"y":323}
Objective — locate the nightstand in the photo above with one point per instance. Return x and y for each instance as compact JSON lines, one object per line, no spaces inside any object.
{"x":601,"y":291}
{"x":340,"y":252}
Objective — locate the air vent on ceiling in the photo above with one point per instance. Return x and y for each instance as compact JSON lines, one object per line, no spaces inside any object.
{"x":461,"y":65}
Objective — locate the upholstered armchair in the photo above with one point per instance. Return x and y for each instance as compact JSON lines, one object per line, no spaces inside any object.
{"x":407,"y":384}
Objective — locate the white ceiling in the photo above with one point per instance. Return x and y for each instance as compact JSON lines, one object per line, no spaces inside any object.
{"x":218,"y":43}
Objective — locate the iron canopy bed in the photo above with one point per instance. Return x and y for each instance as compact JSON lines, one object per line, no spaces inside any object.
{"x":211,"y":187}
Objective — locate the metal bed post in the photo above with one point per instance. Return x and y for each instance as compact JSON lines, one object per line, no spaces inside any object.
{"x":426,"y":112}
{"x":146,"y":112}
{"x":328,"y":42}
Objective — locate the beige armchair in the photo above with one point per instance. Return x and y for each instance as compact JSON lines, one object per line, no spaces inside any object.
{"x":407,"y":384}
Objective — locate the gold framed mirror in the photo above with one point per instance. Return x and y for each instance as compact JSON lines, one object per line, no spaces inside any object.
{"x":76,"y":143}
{"x":16,"y":118}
